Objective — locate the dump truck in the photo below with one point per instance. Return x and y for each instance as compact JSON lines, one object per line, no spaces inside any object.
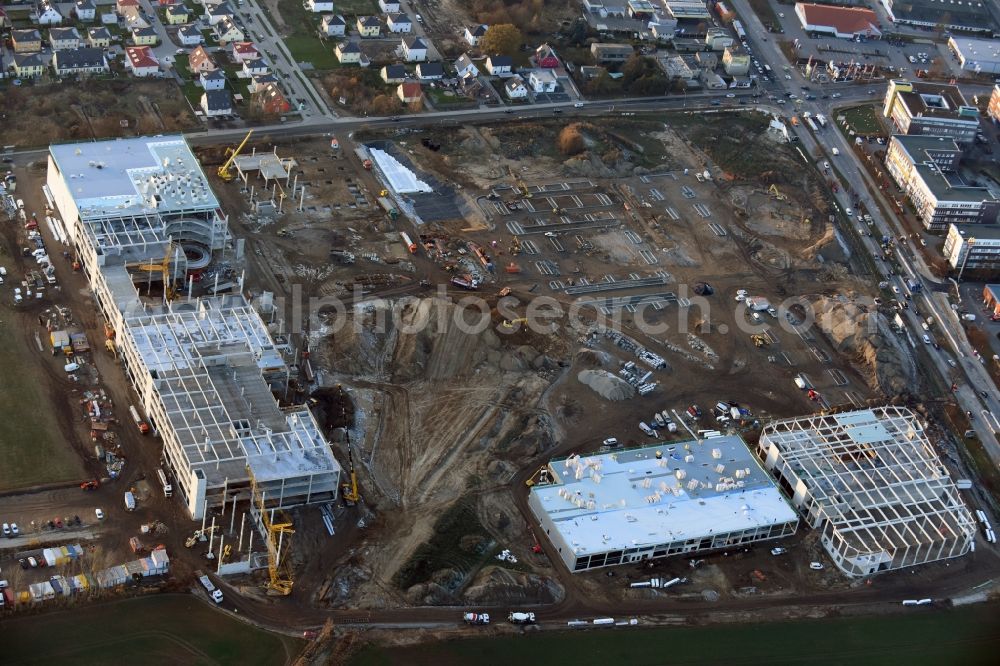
{"x":139,"y":423}
{"x":213,"y":592}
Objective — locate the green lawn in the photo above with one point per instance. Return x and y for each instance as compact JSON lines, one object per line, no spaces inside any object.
{"x":864,"y":120}
{"x":440,"y":99}
{"x":311,"y":49}
{"x":932,"y":638}
{"x":161,"y":629}
{"x":32,"y":448}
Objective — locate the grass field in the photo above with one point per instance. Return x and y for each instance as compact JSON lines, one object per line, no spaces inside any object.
{"x":303,"y":42}
{"x":32,"y":450}
{"x":162,"y":629}
{"x":864,"y":120}
{"x":969,"y":636}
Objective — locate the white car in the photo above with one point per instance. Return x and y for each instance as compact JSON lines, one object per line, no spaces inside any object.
{"x":848,"y":212}
{"x":578,"y":105}
{"x":730,"y":95}
{"x":99,"y":513}
{"x":927,"y":339}
{"x":550,"y":234}
{"x":816,"y":566}
{"x":778,"y":551}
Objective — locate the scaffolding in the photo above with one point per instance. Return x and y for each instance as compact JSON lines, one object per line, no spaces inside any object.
{"x":871,"y":482}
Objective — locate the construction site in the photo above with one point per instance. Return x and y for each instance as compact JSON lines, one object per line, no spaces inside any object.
{"x":462,"y":366}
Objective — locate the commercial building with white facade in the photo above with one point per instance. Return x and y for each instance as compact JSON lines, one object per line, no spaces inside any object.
{"x":204,"y":368}
{"x":973,"y":250}
{"x":870,"y":482}
{"x":981,"y":56}
{"x":671,"y":499}
{"x":925,"y":167}
{"x":930,"y":108}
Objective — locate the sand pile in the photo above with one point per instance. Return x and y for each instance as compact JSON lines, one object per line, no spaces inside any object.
{"x":606,"y":385}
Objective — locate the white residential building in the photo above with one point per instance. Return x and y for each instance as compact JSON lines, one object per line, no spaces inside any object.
{"x":543,"y":81}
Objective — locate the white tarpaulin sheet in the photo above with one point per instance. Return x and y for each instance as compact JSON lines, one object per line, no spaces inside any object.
{"x":400,"y":178}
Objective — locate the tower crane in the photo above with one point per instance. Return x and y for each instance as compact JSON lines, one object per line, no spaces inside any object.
{"x":162,"y":267}
{"x":278,"y":541}
{"x":224,"y":172}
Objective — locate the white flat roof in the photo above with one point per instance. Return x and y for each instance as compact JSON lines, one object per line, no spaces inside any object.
{"x":631,"y":498}
{"x":401,"y":179}
{"x":126,"y":177}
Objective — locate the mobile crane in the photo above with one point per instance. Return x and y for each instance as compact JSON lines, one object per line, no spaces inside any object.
{"x":350,"y":490}
{"x":224,"y":172}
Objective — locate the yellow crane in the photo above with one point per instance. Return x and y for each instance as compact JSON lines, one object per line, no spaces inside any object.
{"x":231,"y":154}
{"x":162,"y":267}
{"x":279,"y":536}
{"x":350,"y":490}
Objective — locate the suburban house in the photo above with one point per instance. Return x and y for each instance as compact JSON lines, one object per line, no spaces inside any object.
{"x":177,"y":15}
{"x":125,"y":7}
{"x":542,"y":81}
{"x":399,"y":23}
{"x":369,"y":26}
{"x":464,"y":66}
{"x":348,"y":53}
{"x":217,"y":103}
{"x":28,"y":65}
{"x":333,"y":25}
{"x":190,"y":35}
{"x":144,"y":36}
{"x":216,"y":13}
{"x":141,"y":61}
{"x":499,"y":65}
{"x":245,"y":51}
{"x":79,"y":61}
{"x":98,"y":38}
{"x":61,"y":39}
{"x":199,"y":61}
{"x":48,"y":14}
{"x":85,"y":10}
{"x":545,"y":56}
{"x":254,"y":67}
{"x":26,"y":41}
{"x":389,"y":6}
{"x":430,"y":71}
{"x":414,"y":49}
{"x":394,"y":73}
{"x":268,"y":100}
{"x":317,"y":6}
{"x":410,"y":93}
{"x":474,"y":33}
{"x":213,"y":80}
{"x":515,"y":88}
{"x":227,"y":32}
{"x":257,"y":83}
{"x":134,"y":21}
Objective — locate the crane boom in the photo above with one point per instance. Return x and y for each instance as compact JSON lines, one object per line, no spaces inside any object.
{"x":224,"y":172}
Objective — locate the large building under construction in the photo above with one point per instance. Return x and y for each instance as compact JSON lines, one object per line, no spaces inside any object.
{"x":141,"y":211}
{"x":671,"y":499}
{"x":871,"y":483}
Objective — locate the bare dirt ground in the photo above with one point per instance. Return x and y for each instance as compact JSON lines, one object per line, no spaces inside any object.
{"x":122,"y":107}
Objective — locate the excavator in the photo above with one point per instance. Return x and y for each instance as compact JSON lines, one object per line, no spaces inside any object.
{"x":521,"y":186}
{"x":224,"y":170}
{"x":514,"y":322}
{"x":350,"y":490}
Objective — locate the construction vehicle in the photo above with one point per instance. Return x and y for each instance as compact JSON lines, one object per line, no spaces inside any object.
{"x":139,"y":423}
{"x":504,"y":292}
{"x":514,"y":322}
{"x":521,"y":185}
{"x":350,"y":490}
{"x":162,"y":267}
{"x":214,"y":592}
{"x":226,"y":552}
{"x":513,"y":268}
{"x":279,"y":575}
{"x":231,"y":155}
{"x":759,"y":340}
{"x":90,"y":485}
{"x":776,"y":193}
{"x":198,"y":534}
{"x":384,"y":193}
{"x":515,"y":246}
{"x":367,"y":164}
